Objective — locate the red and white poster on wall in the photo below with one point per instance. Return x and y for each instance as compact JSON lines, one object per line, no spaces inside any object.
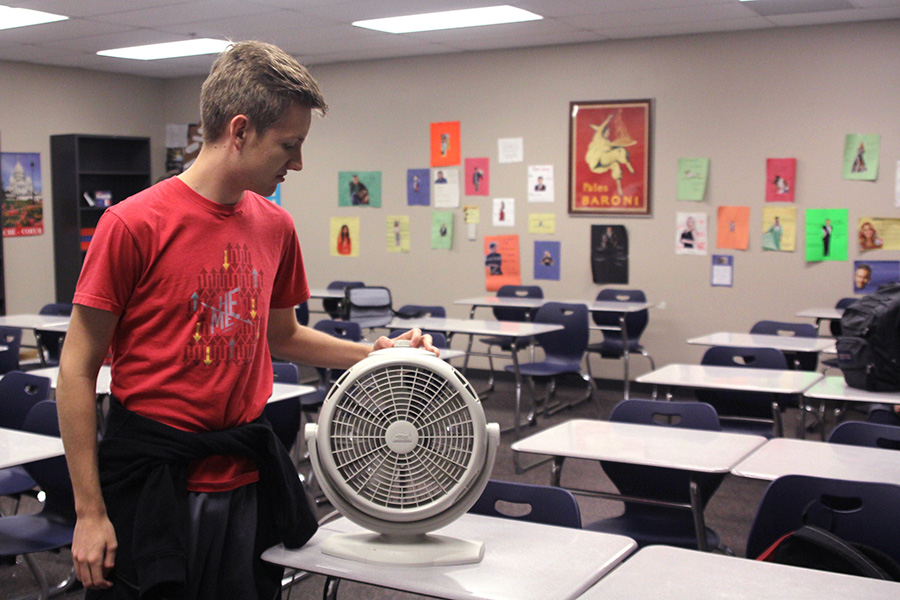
{"x":23,"y":200}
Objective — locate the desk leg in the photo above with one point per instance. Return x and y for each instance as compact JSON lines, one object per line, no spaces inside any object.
{"x":697,"y":511}
{"x":624,"y":329}
{"x":556,"y":470}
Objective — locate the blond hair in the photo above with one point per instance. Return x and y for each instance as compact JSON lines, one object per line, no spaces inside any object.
{"x":258,"y":80}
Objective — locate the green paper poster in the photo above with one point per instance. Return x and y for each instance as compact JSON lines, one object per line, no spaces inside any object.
{"x":441,"y":230}
{"x":826,"y":234}
{"x":861,"y":157}
{"x":359,"y":188}
{"x":692,"y":174}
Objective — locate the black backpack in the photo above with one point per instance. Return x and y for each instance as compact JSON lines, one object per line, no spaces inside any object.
{"x":815,"y":548}
{"x":869,"y":346}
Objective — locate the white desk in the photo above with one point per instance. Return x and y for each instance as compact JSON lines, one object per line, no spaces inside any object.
{"x":473,"y":327}
{"x":29,"y":321}
{"x":522,"y":561}
{"x":821,"y":314}
{"x":668,"y":573}
{"x":836,"y":388}
{"x":693,"y":450}
{"x":337,"y":294}
{"x":785,"y":343}
{"x":732,"y":378}
{"x":783,"y":456}
{"x":288,"y":391}
{"x":20,"y":447}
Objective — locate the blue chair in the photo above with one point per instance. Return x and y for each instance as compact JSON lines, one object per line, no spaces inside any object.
{"x":563,"y":354}
{"x":52,"y":527}
{"x":861,"y":433}
{"x":49,"y":343}
{"x":508,"y":344}
{"x":284,"y":415}
{"x":614,"y":345}
{"x":756,"y":413}
{"x":11,"y":337}
{"x":657,"y":524}
{"x":302,"y":312}
{"x":857,"y":511}
{"x":335,"y":306}
{"x":802,"y":361}
{"x":19,"y":393}
{"x":414,"y":311}
{"x":526,"y":502}
{"x":883,"y":414}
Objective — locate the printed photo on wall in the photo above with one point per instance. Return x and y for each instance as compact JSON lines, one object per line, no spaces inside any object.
{"x":445,"y":185}
{"x":609,"y":253}
{"x":23,"y":199}
{"x":398,"y":233}
{"x":344,"y":236}
{"x":501,"y":261}
{"x":445,"y":144}
{"x":869,"y":274}
{"x":547,"y":260}
{"x":418,"y":187}
{"x":540,"y":183}
{"x":504,"y":212}
{"x":478,"y":180}
{"x":861,"y":154}
{"x":691,"y":233}
{"x":441,"y":230}
{"x":826,"y":234}
{"x":878,"y":234}
{"x":359,"y":188}
{"x":781,"y":177}
{"x":779,"y":228}
{"x":692,"y":176}
{"x":733,"y":227}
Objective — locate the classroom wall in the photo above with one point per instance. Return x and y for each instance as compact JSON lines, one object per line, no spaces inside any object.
{"x":737,"y":98}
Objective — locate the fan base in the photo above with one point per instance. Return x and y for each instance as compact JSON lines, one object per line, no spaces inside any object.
{"x":417,"y":550}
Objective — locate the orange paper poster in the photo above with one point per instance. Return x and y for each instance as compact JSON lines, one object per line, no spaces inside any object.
{"x":734,"y":227}
{"x":501,"y":261}
{"x":445,"y":146}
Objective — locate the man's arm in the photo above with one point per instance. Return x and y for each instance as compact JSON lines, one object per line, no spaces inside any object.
{"x":87,"y":341}
{"x":288,"y":340}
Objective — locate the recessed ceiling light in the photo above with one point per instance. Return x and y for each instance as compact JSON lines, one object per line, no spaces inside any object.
{"x":169,"y":49}
{"x":451,"y":19}
{"x":11,"y":18}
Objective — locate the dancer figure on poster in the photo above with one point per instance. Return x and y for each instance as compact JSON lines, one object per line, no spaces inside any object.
{"x":359,"y":193}
{"x":477,"y":176}
{"x":859,"y":164}
{"x":687,"y":236}
{"x":605,"y":155}
{"x":493,"y":261}
{"x":776,"y":231}
{"x":344,"y":245}
{"x":781,"y":185}
{"x":826,"y":237}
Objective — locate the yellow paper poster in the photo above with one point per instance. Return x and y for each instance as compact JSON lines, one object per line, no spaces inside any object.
{"x":344,"y":238}
{"x":876,"y":234}
{"x":471,"y":214}
{"x":779,"y":228}
{"x":541,"y":223}
{"x":398,"y":233}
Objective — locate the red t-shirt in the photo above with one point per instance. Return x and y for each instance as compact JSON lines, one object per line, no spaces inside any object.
{"x":192,"y":282}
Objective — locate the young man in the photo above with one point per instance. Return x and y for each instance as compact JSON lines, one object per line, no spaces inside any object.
{"x":192,"y":285}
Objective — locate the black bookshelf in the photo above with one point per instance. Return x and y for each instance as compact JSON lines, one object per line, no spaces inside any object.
{"x":87,"y":164}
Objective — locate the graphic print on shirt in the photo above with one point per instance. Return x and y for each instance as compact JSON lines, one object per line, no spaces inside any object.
{"x":225,"y":310}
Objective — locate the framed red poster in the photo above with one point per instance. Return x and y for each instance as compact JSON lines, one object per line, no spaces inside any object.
{"x":609,"y":157}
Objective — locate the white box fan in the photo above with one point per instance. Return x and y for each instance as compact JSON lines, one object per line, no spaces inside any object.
{"x":402,"y":448}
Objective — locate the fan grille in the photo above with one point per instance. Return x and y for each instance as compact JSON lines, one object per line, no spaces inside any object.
{"x":436,"y":455}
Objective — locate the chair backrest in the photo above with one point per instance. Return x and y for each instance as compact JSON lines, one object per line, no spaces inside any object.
{"x":569,"y":343}
{"x":51,"y":474}
{"x":517,"y":291}
{"x":11,"y":337}
{"x":335,"y":306}
{"x":19,"y":392}
{"x":347,"y":330}
{"x":527,"y":502}
{"x":302,"y":312}
{"x":861,"y":433}
{"x":657,"y":482}
{"x":835,"y":324}
{"x":285,"y":372}
{"x":738,"y":404}
{"x":857,"y":511}
{"x":57,"y":308}
{"x":411,"y":311}
{"x":438,"y":339}
{"x":370,"y":306}
{"x":635,"y":322}
{"x":690,"y":415}
{"x":805,"y":361}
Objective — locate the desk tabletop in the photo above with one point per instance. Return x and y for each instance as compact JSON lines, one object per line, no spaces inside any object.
{"x":522,"y":561}
{"x":288,"y":391}
{"x":780,"y":381}
{"x":669,"y":573}
{"x":784,"y":456}
{"x":476,"y":326}
{"x":531,"y":303}
{"x":325,"y":293}
{"x":29,"y":321}
{"x":835,"y":387}
{"x":20,"y":447}
{"x":822,"y":313}
{"x":104,"y":377}
{"x":651,"y":445}
{"x":759,"y":340}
